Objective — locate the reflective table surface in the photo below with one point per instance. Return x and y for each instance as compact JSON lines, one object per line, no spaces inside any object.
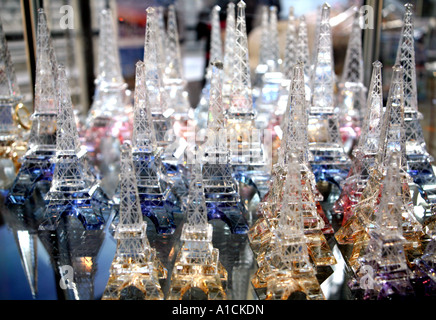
{"x":74,"y":265}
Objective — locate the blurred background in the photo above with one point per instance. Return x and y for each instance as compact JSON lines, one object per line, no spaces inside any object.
{"x":76,"y":48}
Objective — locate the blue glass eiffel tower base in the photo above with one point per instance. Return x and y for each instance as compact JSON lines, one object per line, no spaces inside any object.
{"x":159,"y":201}
{"x":160,"y":208}
{"x":424,"y":177}
{"x":231,"y":213}
{"x":91,"y":207}
{"x":36,"y":169}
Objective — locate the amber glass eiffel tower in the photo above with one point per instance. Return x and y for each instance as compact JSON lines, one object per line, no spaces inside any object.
{"x":365,"y":153}
{"x":294,"y":142}
{"x":37,"y":167}
{"x":197,"y":265}
{"x":392,"y":138}
{"x":286,"y":270}
{"x":136,"y":270}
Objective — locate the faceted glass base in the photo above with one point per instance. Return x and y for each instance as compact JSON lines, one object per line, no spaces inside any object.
{"x":33,"y":170}
{"x":283,"y":286}
{"x":90,"y":207}
{"x":130,"y":280}
{"x":210,"y":278}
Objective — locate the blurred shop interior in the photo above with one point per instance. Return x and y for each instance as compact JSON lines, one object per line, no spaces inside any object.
{"x":76,"y":48}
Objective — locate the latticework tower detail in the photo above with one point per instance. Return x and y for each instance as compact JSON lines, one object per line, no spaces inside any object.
{"x":286,"y":268}
{"x":197,"y":265}
{"x":136,"y":270}
{"x":37,"y":167}
{"x":74,"y":190}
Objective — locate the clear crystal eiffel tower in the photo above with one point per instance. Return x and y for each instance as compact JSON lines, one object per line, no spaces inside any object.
{"x":216,"y":54}
{"x":271,"y":77}
{"x":385,"y":254}
{"x":220,"y":188}
{"x":159,"y":103}
{"x":229,"y":54}
{"x":174,"y":79}
{"x":160,"y":106}
{"x":74,"y":189}
{"x":197,"y":265}
{"x":10,"y":104}
{"x":294,"y":143}
{"x":247,"y":155}
{"x":365,"y":153}
{"x":158,"y":202}
{"x":37,"y":167}
{"x":418,"y":158}
{"x":136,"y":269}
{"x":302,"y":53}
{"x":291,"y":44}
{"x":352,"y":91}
{"x":289,"y":60}
{"x":286,"y":270}
{"x":264,"y":50}
{"x":330,"y":162}
{"x":111,"y":106}
{"x":392,"y":138}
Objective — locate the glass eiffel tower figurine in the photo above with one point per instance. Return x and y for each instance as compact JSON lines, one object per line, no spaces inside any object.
{"x":37,"y":167}
{"x":197,"y":269}
{"x":286,"y":270}
{"x":302,"y":53}
{"x":136,"y":269}
{"x":330,"y":162}
{"x":159,"y":103}
{"x":108,"y":123}
{"x":290,"y":57}
{"x":270,"y":82}
{"x":383,"y":269}
{"x":158,"y":202}
{"x":352,"y":91}
{"x":216,"y":54}
{"x":174,"y":79}
{"x":365,"y":153}
{"x":229,"y":53}
{"x":294,"y":141}
{"x":74,"y":189}
{"x":221,"y":191}
{"x":11,"y":122}
{"x":248,"y":158}
{"x":264,"y":50}
{"x":289,"y":60}
{"x":172,"y":147}
{"x":418,"y":158}
{"x":392,"y":138}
